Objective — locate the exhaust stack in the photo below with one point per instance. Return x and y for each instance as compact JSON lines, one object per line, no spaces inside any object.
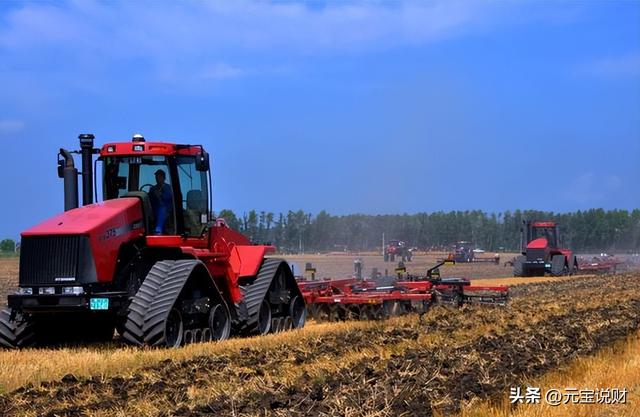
{"x":86,"y":149}
{"x":70,"y":174}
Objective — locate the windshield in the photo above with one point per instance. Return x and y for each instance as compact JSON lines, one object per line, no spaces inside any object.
{"x":144,"y":175}
{"x":547,"y":232}
{"x":123,"y":174}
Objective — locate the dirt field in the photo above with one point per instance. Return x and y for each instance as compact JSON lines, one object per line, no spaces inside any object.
{"x":336,"y":265}
{"x":439,"y":363}
{"x":8,"y":277}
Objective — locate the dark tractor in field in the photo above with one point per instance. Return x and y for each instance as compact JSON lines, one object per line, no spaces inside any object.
{"x":463,"y":252}
{"x":542,"y":252}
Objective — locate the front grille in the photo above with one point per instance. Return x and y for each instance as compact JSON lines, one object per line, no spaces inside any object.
{"x":534,"y":254}
{"x":45,"y":258}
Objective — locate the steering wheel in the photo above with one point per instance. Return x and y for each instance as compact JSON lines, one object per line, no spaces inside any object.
{"x":142,"y":186}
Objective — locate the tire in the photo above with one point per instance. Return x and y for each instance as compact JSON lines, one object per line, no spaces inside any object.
{"x":559,"y":266}
{"x":16,"y":333}
{"x":518,"y":266}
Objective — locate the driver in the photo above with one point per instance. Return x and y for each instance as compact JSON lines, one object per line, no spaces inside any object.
{"x":161,"y":199}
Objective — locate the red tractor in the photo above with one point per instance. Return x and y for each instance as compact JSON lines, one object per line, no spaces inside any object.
{"x":397,"y":248}
{"x":147,"y":260}
{"x":541,"y":251}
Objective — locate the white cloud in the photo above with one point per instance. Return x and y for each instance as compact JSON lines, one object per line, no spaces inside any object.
{"x":197,"y":44}
{"x":10,"y":126}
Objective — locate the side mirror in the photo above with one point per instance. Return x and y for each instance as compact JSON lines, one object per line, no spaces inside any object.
{"x":60,"y":168}
{"x":202,"y":161}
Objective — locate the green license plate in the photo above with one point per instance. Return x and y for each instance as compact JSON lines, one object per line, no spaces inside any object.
{"x":99,"y":304}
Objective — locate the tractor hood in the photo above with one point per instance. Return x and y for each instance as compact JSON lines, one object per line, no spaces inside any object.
{"x":82,"y":244}
{"x":92,"y":218}
{"x":539,"y":243}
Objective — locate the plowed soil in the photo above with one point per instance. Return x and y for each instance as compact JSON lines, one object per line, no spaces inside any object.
{"x":404,"y":366}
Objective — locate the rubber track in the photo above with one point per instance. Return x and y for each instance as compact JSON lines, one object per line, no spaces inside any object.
{"x":154,"y":320}
{"x":255,"y":292}
{"x":140,"y":303}
{"x":15,"y":334}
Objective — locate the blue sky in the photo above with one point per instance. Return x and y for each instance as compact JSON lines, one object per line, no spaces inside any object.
{"x":368,"y":107}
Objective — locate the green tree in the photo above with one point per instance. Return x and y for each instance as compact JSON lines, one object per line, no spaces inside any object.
{"x":7,"y":245}
{"x":230,"y":217}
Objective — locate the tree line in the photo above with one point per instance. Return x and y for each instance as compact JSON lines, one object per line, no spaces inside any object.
{"x":593,"y":230}
{"x":296,"y":231}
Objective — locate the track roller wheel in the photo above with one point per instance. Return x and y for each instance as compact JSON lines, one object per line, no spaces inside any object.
{"x":297,"y":312}
{"x":264,"y":318}
{"x":277,"y":324}
{"x":288,"y":323}
{"x":219,"y":323}
{"x":173,"y":331}
{"x":206,"y":334}
{"x":197,"y":335}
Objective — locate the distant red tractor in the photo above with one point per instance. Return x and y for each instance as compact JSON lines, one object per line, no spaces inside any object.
{"x":541,"y":251}
{"x":397,"y":248}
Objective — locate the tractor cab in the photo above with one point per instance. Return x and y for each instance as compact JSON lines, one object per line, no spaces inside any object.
{"x":545,"y":230}
{"x":171,"y":180}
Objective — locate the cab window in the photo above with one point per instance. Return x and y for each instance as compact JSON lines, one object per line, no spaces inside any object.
{"x":195,"y":195}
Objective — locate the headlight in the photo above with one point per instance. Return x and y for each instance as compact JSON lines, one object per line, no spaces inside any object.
{"x":72,"y":290}
{"x":47,"y":290}
{"x":24,"y":291}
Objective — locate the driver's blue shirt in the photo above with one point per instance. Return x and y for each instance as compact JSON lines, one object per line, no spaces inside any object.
{"x":161,"y":201}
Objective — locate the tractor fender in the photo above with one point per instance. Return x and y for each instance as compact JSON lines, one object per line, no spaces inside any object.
{"x":245,"y":260}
